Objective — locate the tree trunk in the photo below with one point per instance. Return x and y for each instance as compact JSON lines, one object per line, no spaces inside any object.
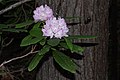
{"x":94,"y":21}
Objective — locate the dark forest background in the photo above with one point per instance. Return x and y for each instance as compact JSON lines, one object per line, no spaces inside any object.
{"x":99,"y":62}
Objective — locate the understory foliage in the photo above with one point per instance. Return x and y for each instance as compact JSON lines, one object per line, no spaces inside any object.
{"x":10,"y":38}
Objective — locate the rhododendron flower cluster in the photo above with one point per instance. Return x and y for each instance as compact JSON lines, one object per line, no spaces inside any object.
{"x":53,"y":27}
{"x":42,"y":13}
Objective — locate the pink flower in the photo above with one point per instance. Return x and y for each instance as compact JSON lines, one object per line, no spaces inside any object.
{"x":42,"y":13}
{"x":55,"y":28}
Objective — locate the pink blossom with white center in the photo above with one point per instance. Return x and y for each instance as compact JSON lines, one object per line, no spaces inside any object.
{"x":42,"y":13}
{"x":55,"y":28}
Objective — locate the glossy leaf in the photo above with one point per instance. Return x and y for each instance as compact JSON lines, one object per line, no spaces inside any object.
{"x":24,"y":24}
{"x":34,"y":62}
{"x":28,"y":40}
{"x":0,"y":0}
{"x":69,"y":43}
{"x":64,"y":45}
{"x":77,"y":49}
{"x":44,"y":50}
{"x":53,"y":42}
{"x":3,"y":26}
{"x":14,"y":30}
{"x":64,"y":61}
{"x":43,"y":41}
{"x":0,"y":33}
{"x":37,"y":25}
{"x":36,"y":32}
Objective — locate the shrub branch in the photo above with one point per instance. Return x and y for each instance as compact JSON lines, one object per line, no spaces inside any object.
{"x":13,"y":6}
{"x":16,"y":58}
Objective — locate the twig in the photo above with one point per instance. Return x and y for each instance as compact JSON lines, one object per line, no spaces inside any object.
{"x":5,"y":45}
{"x":13,"y":6}
{"x":16,"y":58}
{"x":33,"y":48}
{"x":20,"y":70}
{"x":24,"y":12}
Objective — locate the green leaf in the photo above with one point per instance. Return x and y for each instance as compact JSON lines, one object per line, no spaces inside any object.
{"x":81,"y":37}
{"x":64,"y":45}
{"x":28,"y":40}
{"x":37,"y":25}
{"x":43,"y":41}
{"x":53,"y":42}
{"x":0,"y":33}
{"x":3,"y":26}
{"x":14,"y":30}
{"x":24,"y":24}
{"x":34,"y":62}
{"x":64,"y":61}
{"x":0,"y":0}
{"x":77,"y":49}
{"x":36,"y":32}
{"x":69,"y":43}
{"x":44,"y":50}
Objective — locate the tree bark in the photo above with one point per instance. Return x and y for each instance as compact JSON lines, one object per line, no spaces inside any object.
{"x":94,"y":21}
